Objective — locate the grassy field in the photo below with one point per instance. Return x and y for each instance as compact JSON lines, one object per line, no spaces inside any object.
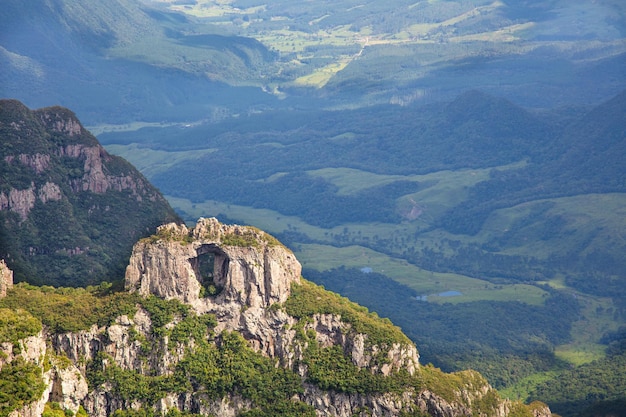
{"x":522,"y":389}
{"x":596,"y":320}
{"x":150,"y":161}
{"x":125,"y":127}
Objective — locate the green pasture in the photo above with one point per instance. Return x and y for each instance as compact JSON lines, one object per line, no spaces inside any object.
{"x":274,"y":222}
{"x":268,"y":220}
{"x":589,"y":220}
{"x":595,"y":320}
{"x":150,"y":161}
{"x":350,"y":181}
{"x":522,"y":389}
{"x":125,"y":127}
{"x":523,"y":293}
{"x":424,"y":282}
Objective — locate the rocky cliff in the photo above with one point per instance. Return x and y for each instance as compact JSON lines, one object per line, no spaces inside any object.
{"x":217,"y":321}
{"x":69,"y":211}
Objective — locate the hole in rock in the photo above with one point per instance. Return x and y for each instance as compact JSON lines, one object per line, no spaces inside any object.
{"x":211,"y":267}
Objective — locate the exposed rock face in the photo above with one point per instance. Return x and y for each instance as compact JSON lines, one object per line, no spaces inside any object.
{"x":246,"y":280}
{"x":240,"y":275}
{"x":255,"y":276}
{"x":19,"y":201}
{"x":64,"y":382}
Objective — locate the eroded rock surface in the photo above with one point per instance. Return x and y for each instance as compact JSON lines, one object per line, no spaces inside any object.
{"x":242,"y":265}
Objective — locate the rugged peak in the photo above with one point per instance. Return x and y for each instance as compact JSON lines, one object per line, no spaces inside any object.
{"x":63,"y":195}
{"x":61,"y":120}
{"x":213,"y":264}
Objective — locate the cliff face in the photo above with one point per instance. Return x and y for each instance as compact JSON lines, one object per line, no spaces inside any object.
{"x":63,"y":196}
{"x":246,"y":266}
{"x":246,"y":287}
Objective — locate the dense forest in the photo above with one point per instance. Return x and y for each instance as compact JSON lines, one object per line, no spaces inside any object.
{"x":70,"y":213}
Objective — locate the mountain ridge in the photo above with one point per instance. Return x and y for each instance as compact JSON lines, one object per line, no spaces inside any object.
{"x":70,"y":211}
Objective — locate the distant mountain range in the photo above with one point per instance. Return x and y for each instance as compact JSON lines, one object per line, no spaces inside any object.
{"x":171,"y":61}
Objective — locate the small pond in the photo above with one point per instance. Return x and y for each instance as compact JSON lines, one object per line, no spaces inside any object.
{"x":451,"y":293}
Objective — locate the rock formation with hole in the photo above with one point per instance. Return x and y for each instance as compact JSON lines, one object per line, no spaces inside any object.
{"x":244,"y":278}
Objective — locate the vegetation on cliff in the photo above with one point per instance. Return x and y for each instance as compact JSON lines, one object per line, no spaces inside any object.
{"x":21,"y":383}
{"x":67,"y":309}
{"x":69,"y":211}
{"x":213,"y":365}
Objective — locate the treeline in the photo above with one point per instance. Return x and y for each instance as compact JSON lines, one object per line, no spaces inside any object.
{"x":597,"y":388}
{"x":505,"y":341}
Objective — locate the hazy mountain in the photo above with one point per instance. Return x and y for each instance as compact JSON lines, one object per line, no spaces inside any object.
{"x":162,"y":60}
{"x":141,"y":64}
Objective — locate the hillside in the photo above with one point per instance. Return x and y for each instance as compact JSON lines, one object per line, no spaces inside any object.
{"x":70,"y":212}
{"x":141,"y":63}
{"x":217,"y":321}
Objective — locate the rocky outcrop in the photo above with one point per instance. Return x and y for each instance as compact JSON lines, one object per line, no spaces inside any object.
{"x":234,"y":272}
{"x":19,"y":201}
{"x":245,"y":266}
{"x":23,"y":201}
{"x":244,"y":278}
{"x":61,"y":120}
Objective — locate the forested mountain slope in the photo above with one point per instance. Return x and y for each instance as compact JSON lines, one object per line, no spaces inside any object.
{"x":70,"y":212}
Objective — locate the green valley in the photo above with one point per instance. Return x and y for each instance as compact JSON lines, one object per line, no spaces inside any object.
{"x":452,"y":215}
